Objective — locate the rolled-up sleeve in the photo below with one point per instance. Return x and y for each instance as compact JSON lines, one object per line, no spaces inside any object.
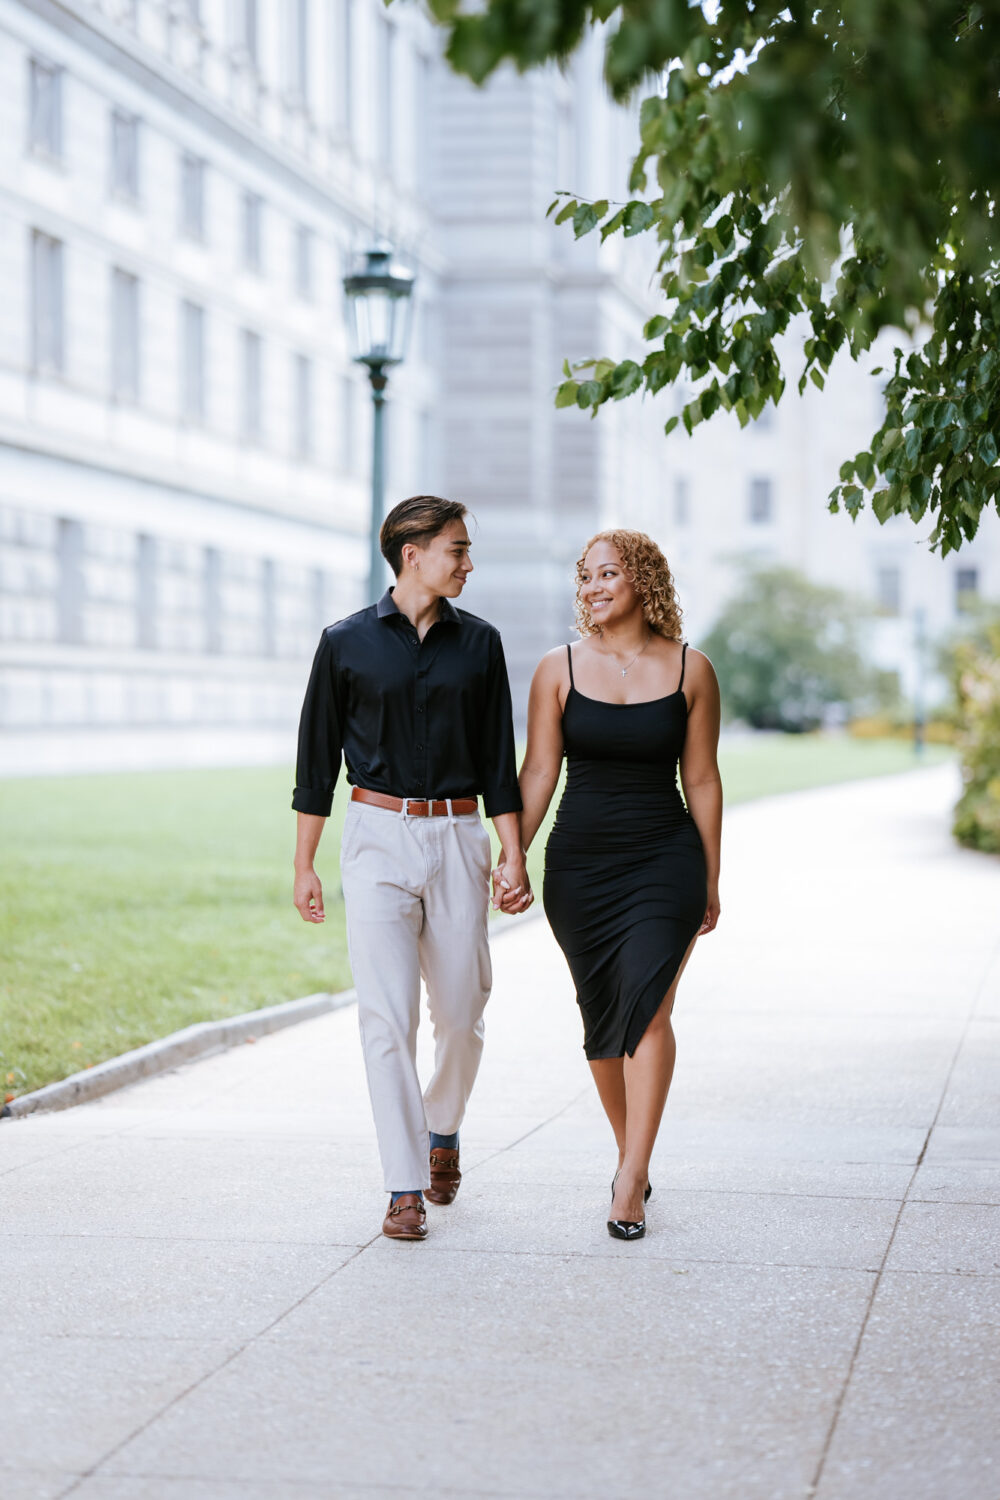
{"x":498,"y":755}
{"x":320,"y":735}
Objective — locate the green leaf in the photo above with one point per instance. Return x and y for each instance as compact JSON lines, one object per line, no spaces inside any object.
{"x":655,"y":328}
{"x":567,"y":211}
{"x":817,"y":379}
{"x":670,"y":425}
{"x":612,"y":225}
{"x":589,"y":394}
{"x":882,"y":506}
{"x":637,"y":217}
{"x":566,"y":394}
{"x":552,"y":205}
{"x":584,"y":220}
{"x":912,"y":443}
{"x":625,"y":378}
{"x":986,"y":449}
{"x":742,"y":354}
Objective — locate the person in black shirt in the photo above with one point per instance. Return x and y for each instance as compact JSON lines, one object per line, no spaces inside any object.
{"x":412,"y":694}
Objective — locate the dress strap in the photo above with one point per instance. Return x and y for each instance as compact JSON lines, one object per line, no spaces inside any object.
{"x":569,"y":658}
{"x":684,"y":652}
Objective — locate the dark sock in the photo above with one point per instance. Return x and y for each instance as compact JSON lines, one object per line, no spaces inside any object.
{"x":394,"y":1196}
{"x":444,"y":1142}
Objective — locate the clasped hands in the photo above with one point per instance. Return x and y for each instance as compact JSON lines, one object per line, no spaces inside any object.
{"x":512,"y":891}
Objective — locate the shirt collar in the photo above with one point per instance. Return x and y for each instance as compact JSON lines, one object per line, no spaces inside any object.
{"x":447,"y":613}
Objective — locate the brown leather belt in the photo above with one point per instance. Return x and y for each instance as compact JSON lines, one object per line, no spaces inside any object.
{"x":412,"y":807}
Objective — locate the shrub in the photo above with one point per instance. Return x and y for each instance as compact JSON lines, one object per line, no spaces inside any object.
{"x":786,"y":651}
{"x":976,"y":679}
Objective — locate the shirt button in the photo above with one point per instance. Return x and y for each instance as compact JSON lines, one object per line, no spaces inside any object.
{"x":420,"y":747}
{"x":420,"y":708}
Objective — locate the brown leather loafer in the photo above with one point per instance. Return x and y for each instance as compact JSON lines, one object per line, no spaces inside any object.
{"x":406,"y":1219}
{"x":445,"y":1176}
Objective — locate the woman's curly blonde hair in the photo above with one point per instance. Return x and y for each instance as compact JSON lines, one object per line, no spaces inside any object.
{"x":647,"y":570}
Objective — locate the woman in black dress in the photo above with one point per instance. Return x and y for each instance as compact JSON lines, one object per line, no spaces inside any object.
{"x":631,"y":873}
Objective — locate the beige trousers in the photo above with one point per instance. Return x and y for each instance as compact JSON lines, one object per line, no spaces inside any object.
{"x":416,"y":893}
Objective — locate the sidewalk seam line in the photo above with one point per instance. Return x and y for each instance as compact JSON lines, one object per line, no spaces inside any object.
{"x":841,"y":1399}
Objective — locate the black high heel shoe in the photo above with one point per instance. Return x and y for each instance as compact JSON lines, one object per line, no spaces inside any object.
{"x":627,"y":1229}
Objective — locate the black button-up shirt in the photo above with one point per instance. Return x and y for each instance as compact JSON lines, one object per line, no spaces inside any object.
{"x":413,"y":718}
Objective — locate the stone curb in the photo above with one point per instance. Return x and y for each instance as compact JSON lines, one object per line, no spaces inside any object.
{"x":184,"y":1046}
{"x":170,"y":1052}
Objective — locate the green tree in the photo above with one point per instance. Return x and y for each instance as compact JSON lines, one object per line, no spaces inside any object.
{"x":786,"y":649}
{"x":838,"y":161}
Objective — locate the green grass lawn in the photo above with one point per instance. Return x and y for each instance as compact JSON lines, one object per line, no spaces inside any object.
{"x":132,"y":905}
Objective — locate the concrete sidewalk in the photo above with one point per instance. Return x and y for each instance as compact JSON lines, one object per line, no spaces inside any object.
{"x":197,"y":1304}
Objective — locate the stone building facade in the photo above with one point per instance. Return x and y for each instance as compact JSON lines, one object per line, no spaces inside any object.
{"x":185,"y":442}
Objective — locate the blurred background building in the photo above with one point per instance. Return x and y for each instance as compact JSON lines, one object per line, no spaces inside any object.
{"x":185,"y":442}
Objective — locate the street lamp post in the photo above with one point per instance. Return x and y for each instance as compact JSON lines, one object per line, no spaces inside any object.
{"x":378,"y":302}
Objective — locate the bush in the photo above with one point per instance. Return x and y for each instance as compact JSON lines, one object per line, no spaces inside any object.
{"x":786,"y":651}
{"x":976,"y":679}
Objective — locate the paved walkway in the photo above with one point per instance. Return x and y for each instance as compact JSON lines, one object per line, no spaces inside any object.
{"x":196,"y":1304}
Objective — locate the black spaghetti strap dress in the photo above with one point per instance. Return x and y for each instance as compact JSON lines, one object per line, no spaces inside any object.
{"x":625,"y":888}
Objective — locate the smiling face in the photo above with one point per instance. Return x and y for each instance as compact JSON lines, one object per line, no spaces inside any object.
{"x":444,"y":560}
{"x":605,"y":590}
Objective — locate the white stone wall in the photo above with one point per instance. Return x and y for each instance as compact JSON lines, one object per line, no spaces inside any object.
{"x":159,"y":571}
{"x":114,"y":515}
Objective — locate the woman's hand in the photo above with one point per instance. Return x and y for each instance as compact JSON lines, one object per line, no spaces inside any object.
{"x":712,"y":910}
{"x":512,"y":891}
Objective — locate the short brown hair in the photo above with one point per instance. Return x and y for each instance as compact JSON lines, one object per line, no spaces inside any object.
{"x":416,"y":520}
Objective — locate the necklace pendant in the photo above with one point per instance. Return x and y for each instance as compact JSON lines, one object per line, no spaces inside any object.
{"x":624,"y":671}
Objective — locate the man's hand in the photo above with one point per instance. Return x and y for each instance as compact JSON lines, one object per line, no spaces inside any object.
{"x":308,"y":896}
{"x":512,"y":891}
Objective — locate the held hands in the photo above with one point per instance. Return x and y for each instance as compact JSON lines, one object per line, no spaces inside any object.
{"x":512,"y":891}
{"x":308,"y":896}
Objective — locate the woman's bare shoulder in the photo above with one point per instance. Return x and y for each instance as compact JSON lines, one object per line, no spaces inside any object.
{"x":552,"y":665}
{"x":698,"y":669}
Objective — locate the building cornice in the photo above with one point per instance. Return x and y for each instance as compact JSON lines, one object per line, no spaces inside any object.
{"x":192,"y":485}
{"x":157,"y":76}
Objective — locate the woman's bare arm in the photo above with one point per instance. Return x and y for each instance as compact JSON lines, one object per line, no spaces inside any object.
{"x":699,"y":769}
{"x":543,"y":756}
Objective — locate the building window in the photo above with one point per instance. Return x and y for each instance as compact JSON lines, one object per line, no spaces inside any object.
{"x":888,"y":590}
{"x":761,"y":504}
{"x":246,"y":31}
{"x":348,"y":417}
{"x":192,"y":362}
{"x":342,"y":71}
{"x":124,"y":155}
{"x":253,"y":211}
{"x":72,"y":586}
{"x":303,"y":406}
{"x":45,"y":108}
{"x":682,"y":501}
{"x":252,"y":361}
{"x":303,"y":262}
{"x":48,"y":343}
{"x":297,"y":15}
{"x":384,"y":93}
{"x":124,"y":336}
{"x":192,"y":196}
{"x":146,"y":582}
{"x":268,"y":608}
{"x":212,"y":600}
{"x":966,"y":589}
